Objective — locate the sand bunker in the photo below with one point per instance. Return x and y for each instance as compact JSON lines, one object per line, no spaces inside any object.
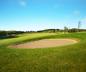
{"x":46,"y":43}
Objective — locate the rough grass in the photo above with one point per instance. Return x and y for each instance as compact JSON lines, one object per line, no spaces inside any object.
{"x":70,"y":58}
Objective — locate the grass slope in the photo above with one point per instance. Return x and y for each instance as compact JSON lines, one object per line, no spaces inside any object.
{"x":58,"y":59}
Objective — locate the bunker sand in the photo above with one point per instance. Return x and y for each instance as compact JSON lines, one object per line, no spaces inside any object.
{"x":46,"y":43}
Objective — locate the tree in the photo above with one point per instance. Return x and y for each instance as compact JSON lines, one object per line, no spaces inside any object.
{"x":73,"y":30}
{"x":65,"y":29}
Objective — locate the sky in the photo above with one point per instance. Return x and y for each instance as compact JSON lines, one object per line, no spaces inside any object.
{"x":41,"y":14}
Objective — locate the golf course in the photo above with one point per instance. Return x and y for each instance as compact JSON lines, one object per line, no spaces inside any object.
{"x":42,"y":35}
{"x":62,"y":58}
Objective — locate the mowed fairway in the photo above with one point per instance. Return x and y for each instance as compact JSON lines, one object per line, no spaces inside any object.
{"x":71,"y":58}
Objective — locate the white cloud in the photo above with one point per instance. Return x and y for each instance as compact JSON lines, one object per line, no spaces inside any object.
{"x":76,"y":12}
{"x":83,"y":21}
{"x":56,"y":6}
{"x":23,"y":2}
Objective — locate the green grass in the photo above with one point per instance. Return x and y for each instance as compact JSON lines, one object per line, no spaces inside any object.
{"x":25,"y":37}
{"x":70,"y":58}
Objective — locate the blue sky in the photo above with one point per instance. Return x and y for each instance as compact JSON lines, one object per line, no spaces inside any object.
{"x":41,"y":14}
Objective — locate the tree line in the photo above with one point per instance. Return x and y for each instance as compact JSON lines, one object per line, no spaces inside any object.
{"x":11,"y":34}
